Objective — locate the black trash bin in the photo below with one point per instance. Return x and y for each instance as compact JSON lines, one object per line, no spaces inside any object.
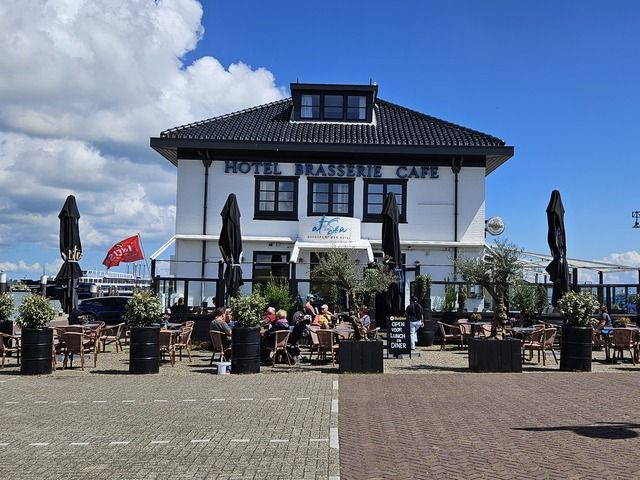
{"x":144,"y":350}
{"x":37,"y":348}
{"x":245,"y":350}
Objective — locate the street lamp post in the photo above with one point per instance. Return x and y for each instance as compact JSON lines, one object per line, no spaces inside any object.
{"x":636,"y":215}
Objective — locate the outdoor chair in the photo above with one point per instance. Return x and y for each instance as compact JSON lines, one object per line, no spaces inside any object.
{"x":541,"y":340}
{"x":466,"y":331}
{"x":77,"y":342}
{"x":326,"y":343}
{"x":623,"y":339}
{"x":313,"y":346}
{"x":485,"y":330}
{"x":189,"y":324}
{"x":184,"y":341}
{"x":112,"y":334}
{"x":372,"y":333}
{"x":450,"y":333}
{"x":167,"y":346}
{"x":217,"y":343}
{"x":9,"y":344}
{"x":280,"y":345}
{"x":598,"y":339}
{"x":344,"y":331}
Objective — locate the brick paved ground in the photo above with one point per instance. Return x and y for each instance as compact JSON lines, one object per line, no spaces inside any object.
{"x":183,"y":423}
{"x":531,"y":425}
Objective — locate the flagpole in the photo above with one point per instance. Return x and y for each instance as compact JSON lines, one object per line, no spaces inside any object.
{"x":145,"y":255}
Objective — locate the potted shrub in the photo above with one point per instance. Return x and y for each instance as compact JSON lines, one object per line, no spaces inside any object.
{"x":143,"y":313}
{"x":359,"y":355}
{"x":34,"y":315}
{"x":449,"y":304}
{"x":6,"y":312}
{"x":462,"y":297}
{"x":575,"y":347}
{"x":624,"y":322}
{"x":422,"y":290}
{"x":495,"y":271}
{"x":523,"y":299}
{"x":245,"y":341}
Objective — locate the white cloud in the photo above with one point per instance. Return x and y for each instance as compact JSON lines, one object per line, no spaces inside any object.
{"x":113,"y":72}
{"x":84,"y":85}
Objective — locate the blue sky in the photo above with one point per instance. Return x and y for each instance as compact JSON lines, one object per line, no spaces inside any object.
{"x":557,"y":80}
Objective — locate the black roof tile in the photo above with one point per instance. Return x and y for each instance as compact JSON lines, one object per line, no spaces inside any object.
{"x":393,"y":125}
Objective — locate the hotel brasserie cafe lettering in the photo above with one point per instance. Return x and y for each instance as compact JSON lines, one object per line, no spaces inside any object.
{"x":330,"y":170}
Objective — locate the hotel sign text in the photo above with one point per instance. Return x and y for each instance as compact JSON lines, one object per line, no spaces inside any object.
{"x":330,"y":170}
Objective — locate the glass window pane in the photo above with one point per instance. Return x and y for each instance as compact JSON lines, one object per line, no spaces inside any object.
{"x":340,"y":188}
{"x":267,"y":206}
{"x":310,"y":100}
{"x":340,"y":198}
{"x":267,"y":185}
{"x":285,"y":186}
{"x":267,"y":196}
{"x":285,"y":196}
{"x":340,"y":208}
{"x":375,"y":198}
{"x":333,"y":113}
{"x":320,"y":197}
{"x":310,"y":106}
{"x":374,"y":209}
{"x":285,"y":206}
{"x":320,"y":187}
{"x":321,"y":208}
{"x":395,"y":188}
{"x":376,"y":188}
{"x":333,"y":101}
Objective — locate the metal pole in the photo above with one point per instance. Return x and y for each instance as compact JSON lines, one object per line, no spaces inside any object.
{"x":4,"y":288}
{"x":43,"y":285}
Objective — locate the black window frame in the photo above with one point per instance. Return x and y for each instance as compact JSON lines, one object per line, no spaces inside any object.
{"x":345,"y":94}
{"x":331,"y":181}
{"x":377,"y":217}
{"x":255,"y":263}
{"x":275,"y":215}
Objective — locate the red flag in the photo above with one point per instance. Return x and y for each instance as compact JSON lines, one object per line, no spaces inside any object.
{"x":127,"y":250}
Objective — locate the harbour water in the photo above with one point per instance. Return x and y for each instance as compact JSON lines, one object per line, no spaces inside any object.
{"x":18,"y":296}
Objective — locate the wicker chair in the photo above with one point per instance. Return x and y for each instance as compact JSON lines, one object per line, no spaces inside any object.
{"x":5,"y":348}
{"x":623,"y":339}
{"x":184,"y":341}
{"x":280,"y":345}
{"x":167,"y":346}
{"x":450,"y":333}
{"x":77,"y":342}
{"x":112,"y":334}
{"x":326,"y":343}
{"x":217,"y":341}
{"x":541,"y":340}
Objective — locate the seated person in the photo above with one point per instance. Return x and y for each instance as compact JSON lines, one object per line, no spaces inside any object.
{"x":364,"y":316}
{"x":605,"y":319}
{"x":309,"y":309}
{"x":324,"y":319}
{"x":270,"y":317}
{"x":280,"y":324}
{"x":179,"y":306}
{"x":228,"y":317}
{"x":218,"y":324}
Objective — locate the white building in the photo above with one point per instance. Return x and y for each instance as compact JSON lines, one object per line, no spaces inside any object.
{"x":310,"y":173}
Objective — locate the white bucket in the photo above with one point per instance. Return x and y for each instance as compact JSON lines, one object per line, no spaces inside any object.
{"x":223,"y":367}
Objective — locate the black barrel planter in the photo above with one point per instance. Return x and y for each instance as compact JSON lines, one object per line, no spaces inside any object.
{"x":6,"y":327}
{"x":492,"y":355}
{"x":245,"y":350}
{"x":360,"y":356}
{"x":144,"y":350}
{"x":576,"y":349}
{"x":37,"y":347}
{"x":426,"y":334}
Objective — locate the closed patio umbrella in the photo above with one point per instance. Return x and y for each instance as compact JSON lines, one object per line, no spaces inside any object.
{"x":230,"y":243}
{"x":391,"y":248}
{"x":558,"y":269}
{"x":70,"y":251}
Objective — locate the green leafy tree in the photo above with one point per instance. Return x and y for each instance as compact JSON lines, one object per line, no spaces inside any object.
{"x":35,"y":312}
{"x":449,"y":304}
{"x":276,"y":294}
{"x":497,"y":269}
{"x":143,"y":309}
{"x":422,"y":290}
{"x":578,"y":308}
{"x":523,"y":298}
{"x":542,"y":300}
{"x":7,"y":306}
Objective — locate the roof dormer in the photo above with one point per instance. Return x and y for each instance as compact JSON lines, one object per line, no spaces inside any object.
{"x":333,"y":103}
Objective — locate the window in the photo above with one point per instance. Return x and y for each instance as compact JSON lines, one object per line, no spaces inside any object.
{"x":356,"y":107}
{"x":276,"y":198}
{"x":310,"y":106}
{"x":375,"y":191}
{"x":267,"y":265}
{"x":333,"y":107}
{"x":330,"y":197}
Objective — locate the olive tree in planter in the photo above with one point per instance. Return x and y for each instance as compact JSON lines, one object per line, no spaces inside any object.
{"x":34,"y":315}
{"x":422,"y":290}
{"x":356,"y":282}
{"x":523,"y":298}
{"x":245,"y":341}
{"x":575,"y":347}
{"x":143,"y":313}
{"x":495,"y":271}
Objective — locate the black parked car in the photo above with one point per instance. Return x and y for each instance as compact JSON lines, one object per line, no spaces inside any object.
{"x":109,"y":310}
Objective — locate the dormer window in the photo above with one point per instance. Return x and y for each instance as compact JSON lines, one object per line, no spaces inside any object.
{"x":333,"y":103}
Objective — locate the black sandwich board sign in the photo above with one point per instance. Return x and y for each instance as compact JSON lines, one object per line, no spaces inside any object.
{"x":398,"y":336}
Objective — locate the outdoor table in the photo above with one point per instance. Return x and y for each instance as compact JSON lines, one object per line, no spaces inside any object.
{"x":174,"y":325}
{"x":475,"y":326}
{"x":521,"y":332}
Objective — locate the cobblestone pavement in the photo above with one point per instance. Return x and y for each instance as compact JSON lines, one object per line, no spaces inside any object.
{"x":532,"y":425}
{"x":182,"y":423}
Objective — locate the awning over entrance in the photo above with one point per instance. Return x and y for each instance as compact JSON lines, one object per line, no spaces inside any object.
{"x":320,"y":246}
